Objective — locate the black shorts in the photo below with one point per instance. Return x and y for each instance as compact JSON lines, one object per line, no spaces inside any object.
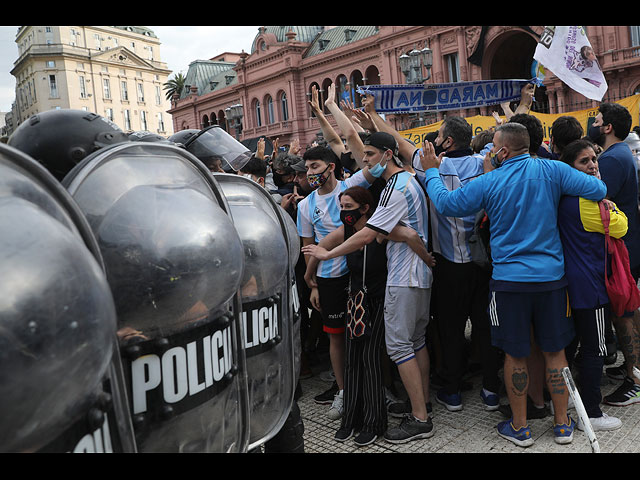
{"x":334,"y":294}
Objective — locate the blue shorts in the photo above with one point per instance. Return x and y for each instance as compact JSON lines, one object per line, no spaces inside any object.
{"x":513,"y":315}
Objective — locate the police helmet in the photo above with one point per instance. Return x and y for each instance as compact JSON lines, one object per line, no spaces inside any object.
{"x":59,"y":139}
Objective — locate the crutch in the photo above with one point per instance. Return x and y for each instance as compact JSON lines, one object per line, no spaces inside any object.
{"x":582,"y":413}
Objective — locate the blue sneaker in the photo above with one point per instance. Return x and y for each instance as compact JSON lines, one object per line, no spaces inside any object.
{"x":491,"y":401}
{"x":521,"y":437}
{"x":564,"y":432}
{"x":453,"y":402}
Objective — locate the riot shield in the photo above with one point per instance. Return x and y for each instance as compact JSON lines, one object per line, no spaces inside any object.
{"x":60,"y":376}
{"x":266,"y":304}
{"x":174,"y":261}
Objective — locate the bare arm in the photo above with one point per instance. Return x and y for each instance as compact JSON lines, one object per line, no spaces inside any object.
{"x":330,"y":135}
{"x":344,"y":123}
{"x":405,"y":149}
{"x":329,"y":242}
{"x":410,"y":237}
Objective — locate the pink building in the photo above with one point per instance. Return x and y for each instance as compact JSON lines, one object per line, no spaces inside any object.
{"x":273,"y":82}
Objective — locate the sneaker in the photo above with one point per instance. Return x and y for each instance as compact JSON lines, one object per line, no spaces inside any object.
{"x":626,"y":394}
{"x":326,"y":397}
{"x":521,"y":437}
{"x":410,"y":429}
{"x":533,"y":412}
{"x":453,"y":402}
{"x":401,"y":408}
{"x":365,"y":438}
{"x":563,"y":432}
{"x":617,"y":373}
{"x":328,"y":376}
{"x":605,"y":422}
{"x":491,"y":400}
{"x":343,"y":434}
{"x":337,"y":407}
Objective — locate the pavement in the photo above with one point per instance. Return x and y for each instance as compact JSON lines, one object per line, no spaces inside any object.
{"x":471,"y":430}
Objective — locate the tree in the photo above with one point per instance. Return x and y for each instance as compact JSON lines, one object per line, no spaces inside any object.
{"x":174,"y":85}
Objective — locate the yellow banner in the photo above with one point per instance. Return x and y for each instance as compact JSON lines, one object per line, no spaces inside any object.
{"x":481,"y":122}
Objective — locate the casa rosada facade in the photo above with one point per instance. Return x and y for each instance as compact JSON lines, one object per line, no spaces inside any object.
{"x":273,"y":82}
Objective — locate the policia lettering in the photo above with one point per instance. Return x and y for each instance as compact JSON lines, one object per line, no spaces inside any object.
{"x":262,"y":324}
{"x":171,"y":375}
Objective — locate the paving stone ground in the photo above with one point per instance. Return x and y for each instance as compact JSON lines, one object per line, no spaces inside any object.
{"x":471,"y":430}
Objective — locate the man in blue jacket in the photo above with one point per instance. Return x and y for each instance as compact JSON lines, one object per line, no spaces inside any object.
{"x":528,"y":288}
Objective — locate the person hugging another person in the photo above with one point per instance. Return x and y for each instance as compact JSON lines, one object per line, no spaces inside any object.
{"x":583,"y":243}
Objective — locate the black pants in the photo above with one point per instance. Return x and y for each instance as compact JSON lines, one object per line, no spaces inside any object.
{"x":461,"y":292}
{"x":592,"y":326}
{"x":364,"y":398}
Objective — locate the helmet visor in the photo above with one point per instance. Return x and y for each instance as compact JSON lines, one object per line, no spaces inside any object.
{"x":215,"y":142}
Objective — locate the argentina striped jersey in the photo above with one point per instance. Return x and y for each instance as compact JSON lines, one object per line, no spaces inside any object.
{"x":319,"y":215}
{"x":450,"y":235}
{"x":403,"y":201}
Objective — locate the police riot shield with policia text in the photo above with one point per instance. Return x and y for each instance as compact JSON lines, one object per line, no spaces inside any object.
{"x":266,"y":304}
{"x":174,"y":262}
{"x":61,"y":383}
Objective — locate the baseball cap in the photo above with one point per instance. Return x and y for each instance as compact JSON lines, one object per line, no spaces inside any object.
{"x":384,"y":141}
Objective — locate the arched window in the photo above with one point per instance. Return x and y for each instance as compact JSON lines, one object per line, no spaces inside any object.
{"x":270,"y":114}
{"x":258,"y":114}
{"x":285,"y":107}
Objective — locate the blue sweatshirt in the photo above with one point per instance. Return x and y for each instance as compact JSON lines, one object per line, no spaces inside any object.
{"x":521,"y":200}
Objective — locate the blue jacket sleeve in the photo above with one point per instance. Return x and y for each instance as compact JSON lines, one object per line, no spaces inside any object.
{"x":579,"y":184}
{"x":460,"y":202}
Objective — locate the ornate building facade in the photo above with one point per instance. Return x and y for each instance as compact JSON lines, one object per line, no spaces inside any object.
{"x":113,"y":71}
{"x":273,"y":81}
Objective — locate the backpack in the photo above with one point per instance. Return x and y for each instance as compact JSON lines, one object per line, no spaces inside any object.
{"x":622,"y":289}
{"x":479,"y":242}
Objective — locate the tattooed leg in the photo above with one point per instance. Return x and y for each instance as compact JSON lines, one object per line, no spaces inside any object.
{"x":628,"y":341}
{"x":554,"y":363}
{"x":516,"y":379}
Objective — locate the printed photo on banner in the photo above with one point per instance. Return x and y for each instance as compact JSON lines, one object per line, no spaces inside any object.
{"x":566,"y":52}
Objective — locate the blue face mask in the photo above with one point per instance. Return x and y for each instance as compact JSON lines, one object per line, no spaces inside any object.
{"x":378,"y":169}
{"x":494,"y":159}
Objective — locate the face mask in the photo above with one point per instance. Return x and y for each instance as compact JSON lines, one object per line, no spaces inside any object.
{"x":316,"y":180}
{"x":278,"y":179}
{"x":378,"y":169}
{"x":494,"y":159}
{"x":596,"y":135}
{"x":350,"y":217}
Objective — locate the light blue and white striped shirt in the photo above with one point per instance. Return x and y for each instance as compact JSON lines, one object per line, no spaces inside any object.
{"x":319,"y":215}
{"x":403,"y":202}
{"x":450,"y":235}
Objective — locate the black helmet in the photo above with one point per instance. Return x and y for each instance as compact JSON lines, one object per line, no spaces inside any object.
{"x":59,"y":139}
{"x":213,"y":142}
{"x":147,"y":136}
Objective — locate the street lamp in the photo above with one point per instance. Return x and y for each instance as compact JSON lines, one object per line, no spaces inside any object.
{"x":411,"y":65}
{"x":234,"y":115}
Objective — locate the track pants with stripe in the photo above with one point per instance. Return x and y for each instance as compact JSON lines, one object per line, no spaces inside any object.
{"x":592,"y":326}
{"x":364,"y":399}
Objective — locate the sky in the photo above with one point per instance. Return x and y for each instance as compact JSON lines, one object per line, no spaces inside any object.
{"x":179,"y":46}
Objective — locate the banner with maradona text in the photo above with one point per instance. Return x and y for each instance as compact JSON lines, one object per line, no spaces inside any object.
{"x":443,"y":96}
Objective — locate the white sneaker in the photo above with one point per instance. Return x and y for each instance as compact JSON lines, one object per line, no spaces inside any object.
{"x":337,"y":407}
{"x":605,"y":422}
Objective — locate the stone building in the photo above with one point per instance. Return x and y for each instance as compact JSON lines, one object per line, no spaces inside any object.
{"x":272,"y":81}
{"x":113,"y":71}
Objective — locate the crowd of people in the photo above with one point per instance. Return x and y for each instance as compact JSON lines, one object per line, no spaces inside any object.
{"x":393,"y":270}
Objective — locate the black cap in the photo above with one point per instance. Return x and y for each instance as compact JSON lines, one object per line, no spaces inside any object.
{"x":384,"y":141}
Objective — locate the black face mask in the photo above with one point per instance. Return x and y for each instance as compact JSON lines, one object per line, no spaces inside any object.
{"x":278,"y":179}
{"x":350,"y":217}
{"x":596,"y":135}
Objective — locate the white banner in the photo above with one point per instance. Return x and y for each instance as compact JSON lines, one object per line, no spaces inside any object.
{"x":567,"y":53}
